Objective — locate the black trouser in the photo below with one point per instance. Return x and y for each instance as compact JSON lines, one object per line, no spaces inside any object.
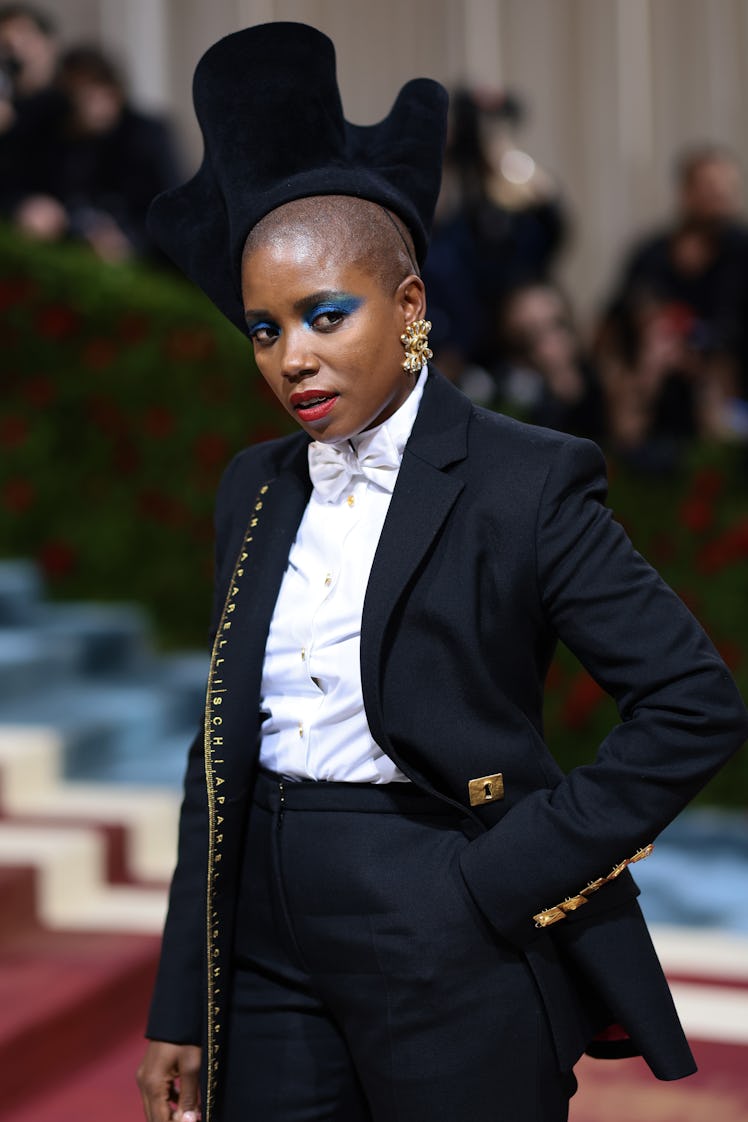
{"x":367,"y":985}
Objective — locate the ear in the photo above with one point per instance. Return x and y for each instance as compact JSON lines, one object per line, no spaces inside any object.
{"x":411,"y":299}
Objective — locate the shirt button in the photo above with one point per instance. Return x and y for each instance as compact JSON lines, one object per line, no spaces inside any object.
{"x":350,"y":500}
{"x":303,"y":654}
{"x":301,"y":729}
{"x":328,"y":580}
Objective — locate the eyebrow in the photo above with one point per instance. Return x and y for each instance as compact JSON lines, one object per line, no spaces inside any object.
{"x":326,"y":296}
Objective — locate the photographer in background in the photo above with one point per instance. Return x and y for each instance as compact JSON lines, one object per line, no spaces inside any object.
{"x":31,"y":109}
{"x":543,"y":374}
{"x":500,"y":221}
{"x":672,"y":337}
{"x":109,"y":159}
{"x":76,"y":160}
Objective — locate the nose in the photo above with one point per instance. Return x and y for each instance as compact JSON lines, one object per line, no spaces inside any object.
{"x":298,"y":359}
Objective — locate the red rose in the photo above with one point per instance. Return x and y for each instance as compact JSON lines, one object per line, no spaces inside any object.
{"x":15,"y":290}
{"x":729,"y":547}
{"x":98,"y":354}
{"x":57,"y":321}
{"x":18,"y":495}
{"x":158,"y":421}
{"x":14,"y":431}
{"x":57,"y":558}
{"x":696,"y":514}
{"x":190,"y":344}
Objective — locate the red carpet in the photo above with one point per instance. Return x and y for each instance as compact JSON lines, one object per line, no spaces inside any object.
{"x":624,"y":1090}
{"x":72,"y":1008}
{"x":105,"y":1090}
{"x":66,"y":1000}
{"x":616,"y":1091}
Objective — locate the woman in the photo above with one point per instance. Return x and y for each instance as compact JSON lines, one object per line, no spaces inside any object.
{"x":410,"y":912}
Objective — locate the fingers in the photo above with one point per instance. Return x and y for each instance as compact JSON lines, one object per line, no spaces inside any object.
{"x":162,"y":1065}
{"x":189,"y":1084}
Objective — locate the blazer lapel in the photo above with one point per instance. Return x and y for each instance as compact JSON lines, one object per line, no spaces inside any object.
{"x":423,"y":497}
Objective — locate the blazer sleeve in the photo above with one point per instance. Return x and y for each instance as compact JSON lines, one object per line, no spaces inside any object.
{"x":681,"y":714}
{"x":178,"y":1001}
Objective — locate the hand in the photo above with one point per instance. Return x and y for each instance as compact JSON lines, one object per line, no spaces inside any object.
{"x":169,"y":1082}
{"x":108,"y":241}
{"x":42,"y":217}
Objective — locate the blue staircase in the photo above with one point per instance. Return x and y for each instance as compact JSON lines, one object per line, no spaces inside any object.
{"x":127,"y":714}
{"x":91,"y":672}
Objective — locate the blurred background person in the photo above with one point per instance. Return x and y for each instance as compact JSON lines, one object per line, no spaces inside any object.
{"x":543,"y":374}
{"x":109,"y":159}
{"x":31,"y":110}
{"x":647,"y":371}
{"x":672,"y":340}
{"x":499,"y":221}
{"x":77,"y":160}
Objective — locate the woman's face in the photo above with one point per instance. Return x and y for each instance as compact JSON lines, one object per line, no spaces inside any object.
{"x":326,"y":334}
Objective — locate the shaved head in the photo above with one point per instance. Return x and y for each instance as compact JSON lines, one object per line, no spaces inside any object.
{"x":354,"y":230}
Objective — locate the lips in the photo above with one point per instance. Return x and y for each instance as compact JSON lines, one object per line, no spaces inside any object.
{"x":311,"y":405}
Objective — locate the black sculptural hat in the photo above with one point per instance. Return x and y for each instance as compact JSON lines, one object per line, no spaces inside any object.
{"x":269,"y":107}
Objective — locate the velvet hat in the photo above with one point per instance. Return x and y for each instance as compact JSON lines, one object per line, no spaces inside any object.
{"x":269,"y":108}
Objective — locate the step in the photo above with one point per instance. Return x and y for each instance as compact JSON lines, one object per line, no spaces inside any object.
{"x":28,"y":661}
{"x":21,"y":590}
{"x":100,"y":723}
{"x":104,"y":639}
{"x":162,"y":766}
{"x":72,"y":890}
{"x":702,"y":954}
{"x":33,"y":791}
{"x":18,"y":892}
{"x":64,"y":1001}
{"x":698,"y":873}
{"x":184,"y":677}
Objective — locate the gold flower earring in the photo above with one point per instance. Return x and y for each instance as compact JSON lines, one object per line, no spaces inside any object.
{"x":416,"y":343}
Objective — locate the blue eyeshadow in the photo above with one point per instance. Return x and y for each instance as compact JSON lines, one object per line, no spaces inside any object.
{"x":345,"y":304}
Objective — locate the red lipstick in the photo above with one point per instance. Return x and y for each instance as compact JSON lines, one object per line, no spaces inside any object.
{"x":312,"y":405}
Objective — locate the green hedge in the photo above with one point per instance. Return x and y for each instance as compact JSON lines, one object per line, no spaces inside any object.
{"x":124,"y":393}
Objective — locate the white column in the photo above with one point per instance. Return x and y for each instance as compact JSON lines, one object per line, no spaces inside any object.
{"x":635,"y":102}
{"x":137,"y":30}
{"x":482,"y":42}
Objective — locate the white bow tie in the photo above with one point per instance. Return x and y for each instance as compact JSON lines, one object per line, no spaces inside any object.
{"x":333,"y":467}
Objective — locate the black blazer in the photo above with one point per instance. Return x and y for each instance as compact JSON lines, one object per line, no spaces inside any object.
{"x":496,"y":543}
